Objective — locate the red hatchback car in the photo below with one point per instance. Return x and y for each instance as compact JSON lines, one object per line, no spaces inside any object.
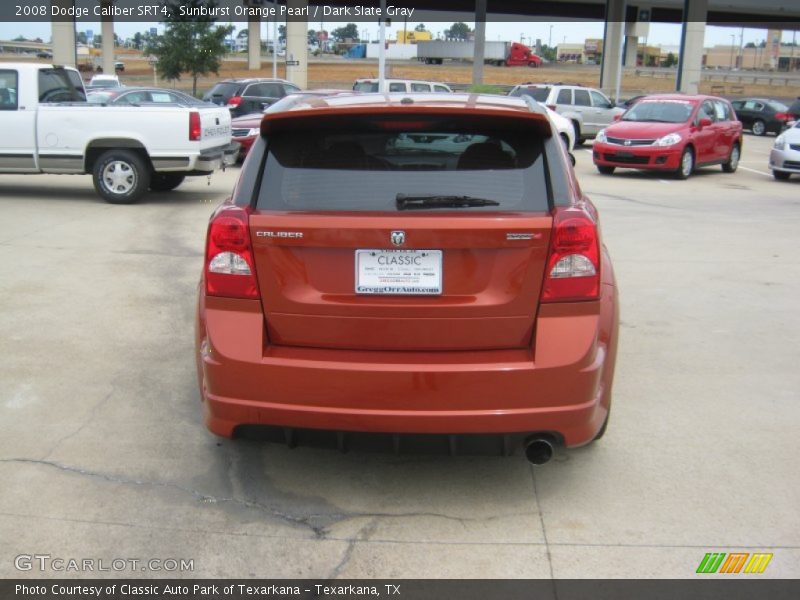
{"x":674,"y":133}
{"x":409,"y":264}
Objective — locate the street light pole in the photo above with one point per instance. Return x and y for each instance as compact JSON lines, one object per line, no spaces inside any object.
{"x":550,"y":39}
{"x":733,"y":41}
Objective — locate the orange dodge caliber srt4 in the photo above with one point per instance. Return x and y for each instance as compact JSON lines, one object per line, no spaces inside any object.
{"x":409,"y":264}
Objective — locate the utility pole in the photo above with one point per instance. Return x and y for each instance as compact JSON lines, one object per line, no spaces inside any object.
{"x":382,"y":48}
{"x":733,"y":41}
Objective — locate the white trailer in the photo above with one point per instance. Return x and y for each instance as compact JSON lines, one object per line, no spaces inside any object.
{"x":510,"y":54}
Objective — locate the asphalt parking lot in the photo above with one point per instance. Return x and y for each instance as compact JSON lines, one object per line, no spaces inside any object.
{"x":103,"y":453}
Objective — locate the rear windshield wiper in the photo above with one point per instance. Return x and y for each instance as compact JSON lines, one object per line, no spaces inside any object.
{"x":414,"y":202}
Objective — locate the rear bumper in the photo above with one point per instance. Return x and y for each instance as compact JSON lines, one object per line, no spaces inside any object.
{"x":245,"y":143}
{"x":562,"y":386}
{"x":212,"y":159}
{"x":643,"y":157}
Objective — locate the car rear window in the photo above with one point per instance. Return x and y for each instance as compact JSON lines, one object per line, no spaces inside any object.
{"x":538,"y":93}
{"x":224,"y":90}
{"x":334,"y":170}
{"x":778,"y":106}
{"x":60,"y":85}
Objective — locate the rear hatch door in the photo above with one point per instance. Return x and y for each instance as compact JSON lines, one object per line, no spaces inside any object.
{"x":402,"y":233}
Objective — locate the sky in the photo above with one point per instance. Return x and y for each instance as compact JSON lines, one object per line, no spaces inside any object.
{"x":661,"y":34}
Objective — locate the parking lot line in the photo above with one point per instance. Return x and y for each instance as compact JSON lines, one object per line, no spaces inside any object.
{"x":756,"y":171}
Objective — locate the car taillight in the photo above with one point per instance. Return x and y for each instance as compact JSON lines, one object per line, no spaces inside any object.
{"x":229,"y":266}
{"x":234,"y":101}
{"x":783,"y":116}
{"x":195,"y":130}
{"x":573,"y":265}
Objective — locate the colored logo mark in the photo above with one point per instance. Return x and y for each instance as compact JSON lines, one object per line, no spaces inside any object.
{"x":735,"y":562}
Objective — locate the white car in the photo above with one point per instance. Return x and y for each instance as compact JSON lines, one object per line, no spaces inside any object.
{"x":564,"y":127}
{"x":104,"y":81}
{"x":399,"y":85}
{"x":785,"y":156}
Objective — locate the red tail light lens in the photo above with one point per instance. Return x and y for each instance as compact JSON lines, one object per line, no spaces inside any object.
{"x":229,"y":264}
{"x":195,"y":130}
{"x":782,"y":116}
{"x":234,"y":101}
{"x":573,"y":266}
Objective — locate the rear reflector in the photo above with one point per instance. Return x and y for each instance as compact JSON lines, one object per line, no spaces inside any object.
{"x":229,"y":266}
{"x":573,"y":266}
{"x":195,"y":130}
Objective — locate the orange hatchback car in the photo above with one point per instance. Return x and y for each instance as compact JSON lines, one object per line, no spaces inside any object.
{"x":409,"y":264}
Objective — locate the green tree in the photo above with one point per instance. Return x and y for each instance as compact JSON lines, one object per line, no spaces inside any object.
{"x":458,"y":31}
{"x":192,"y":45}
{"x":420,"y":27}
{"x":350,"y":31}
{"x":312,"y":37}
{"x":282,"y":34}
{"x":671,"y":60}
{"x":81,"y":37}
{"x":138,"y":40}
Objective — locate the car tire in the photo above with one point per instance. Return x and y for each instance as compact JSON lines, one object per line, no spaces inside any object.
{"x":578,"y":139}
{"x":733,"y":160}
{"x":687,"y":164}
{"x":606,"y":170}
{"x":166,"y":182}
{"x":120,"y":176}
{"x":759,"y":127}
{"x":533,"y":64}
{"x":781,"y":175}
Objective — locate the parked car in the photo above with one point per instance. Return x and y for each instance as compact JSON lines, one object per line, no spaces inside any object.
{"x":44,"y":54}
{"x":103,"y":81}
{"x":247,"y":128}
{"x":352,"y":285}
{"x":761,"y":115}
{"x":247,"y":96}
{"x":399,"y":85}
{"x":119,"y":66}
{"x":142,"y":95}
{"x":50,"y":128}
{"x":588,"y":109}
{"x":671,"y":132}
{"x":785,"y":156}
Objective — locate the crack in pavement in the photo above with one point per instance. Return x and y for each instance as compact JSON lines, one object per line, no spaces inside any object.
{"x":318,"y":523}
{"x":362,"y":535}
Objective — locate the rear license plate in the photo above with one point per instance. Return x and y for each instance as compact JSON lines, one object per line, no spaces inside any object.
{"x":399,"y":272}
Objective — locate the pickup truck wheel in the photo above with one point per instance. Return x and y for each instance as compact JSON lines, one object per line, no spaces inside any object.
{"x":120,"y":176}
{"x":165,"y":182}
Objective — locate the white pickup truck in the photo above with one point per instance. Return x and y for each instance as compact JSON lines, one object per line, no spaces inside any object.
{"x":46,"y":126}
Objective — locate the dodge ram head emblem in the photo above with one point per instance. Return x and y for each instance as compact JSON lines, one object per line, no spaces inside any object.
{"x":398,"y":238}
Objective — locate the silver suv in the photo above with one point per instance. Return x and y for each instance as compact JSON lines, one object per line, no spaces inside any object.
{"x":588,"y":109}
